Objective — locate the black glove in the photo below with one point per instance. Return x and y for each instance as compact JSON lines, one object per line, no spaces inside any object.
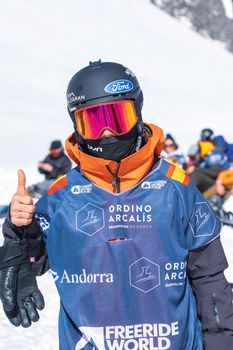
{"x":19,"y":292}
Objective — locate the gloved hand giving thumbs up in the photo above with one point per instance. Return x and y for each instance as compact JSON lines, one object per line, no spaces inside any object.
{"x":19,"y":292}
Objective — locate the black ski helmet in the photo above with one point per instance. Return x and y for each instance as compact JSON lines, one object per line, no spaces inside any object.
{"x":102,"y":82}
{"x":206,"y":134}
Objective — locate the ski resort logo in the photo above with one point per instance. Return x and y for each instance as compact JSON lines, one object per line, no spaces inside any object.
{"x":155,"y":185}
{"x":144,"y":275}
{"x":119,"y":86}
{"x":129,"y":337}
{"x":90,"y":219}
{"x":81,"y":189}
{"x":202,"y":222}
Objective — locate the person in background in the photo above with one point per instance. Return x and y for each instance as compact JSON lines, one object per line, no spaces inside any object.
{"x":205,"y":163}
{"x":207,"y":134}
{"x":219,"y":143}
{"x":224,"y":189}
{"x":224,"y":146}
{"x":172,"y":153}
{"x":224,"y":182}
{"x":133,"y":245}
{"x":55,"y":164}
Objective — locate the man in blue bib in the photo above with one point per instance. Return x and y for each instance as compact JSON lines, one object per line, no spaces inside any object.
{"x":133,"y":246}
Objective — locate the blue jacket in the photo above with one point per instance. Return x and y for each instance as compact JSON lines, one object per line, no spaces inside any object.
{"x":217,"y":157}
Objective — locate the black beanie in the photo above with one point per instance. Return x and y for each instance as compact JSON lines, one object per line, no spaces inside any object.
{"x":55,"y":144}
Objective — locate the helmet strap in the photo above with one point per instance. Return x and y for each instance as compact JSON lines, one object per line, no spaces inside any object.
{"x":80,"y":140}
{"x":142,"y":130}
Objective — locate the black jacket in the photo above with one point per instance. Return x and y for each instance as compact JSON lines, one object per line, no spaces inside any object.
{"x":61,"y":165}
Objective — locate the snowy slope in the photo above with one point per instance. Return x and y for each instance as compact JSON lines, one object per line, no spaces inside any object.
{"x":187,"y":83}
{"x":187,"y":80}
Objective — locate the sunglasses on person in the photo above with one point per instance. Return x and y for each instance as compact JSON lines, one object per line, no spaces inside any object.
{"x":118,"y":117}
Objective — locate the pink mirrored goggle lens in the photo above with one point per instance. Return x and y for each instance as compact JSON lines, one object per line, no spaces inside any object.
{"x":119,"y":117}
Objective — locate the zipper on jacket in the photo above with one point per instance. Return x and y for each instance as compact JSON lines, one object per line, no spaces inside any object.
{"x":116,"y":179}
{"x":215,"y":310}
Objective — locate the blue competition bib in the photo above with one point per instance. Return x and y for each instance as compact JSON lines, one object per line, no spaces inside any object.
{"x":119,"y":262}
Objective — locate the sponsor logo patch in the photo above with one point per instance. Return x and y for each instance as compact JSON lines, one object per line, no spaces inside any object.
{"x":119,"y":86}
{"x":77,"y":189}
{"x":96,"y":149}
{"x":71,"y":97}
{"x":153,"y":185}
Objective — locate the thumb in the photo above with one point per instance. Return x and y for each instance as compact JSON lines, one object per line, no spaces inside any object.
{"x":21,"y":189}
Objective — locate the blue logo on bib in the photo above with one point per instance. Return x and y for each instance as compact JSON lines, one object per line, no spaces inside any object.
{"x":119,"y":86}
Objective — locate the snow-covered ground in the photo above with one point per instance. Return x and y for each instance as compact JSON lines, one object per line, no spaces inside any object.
{"x":228,"y":8}
{"x":187,"y":82}
{"x":41,"y":335}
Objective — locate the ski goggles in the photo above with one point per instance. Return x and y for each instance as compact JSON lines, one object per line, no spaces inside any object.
{"x":119,"y":117}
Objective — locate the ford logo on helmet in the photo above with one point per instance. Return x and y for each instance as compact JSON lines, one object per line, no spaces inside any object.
{"x":119,"y":86}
